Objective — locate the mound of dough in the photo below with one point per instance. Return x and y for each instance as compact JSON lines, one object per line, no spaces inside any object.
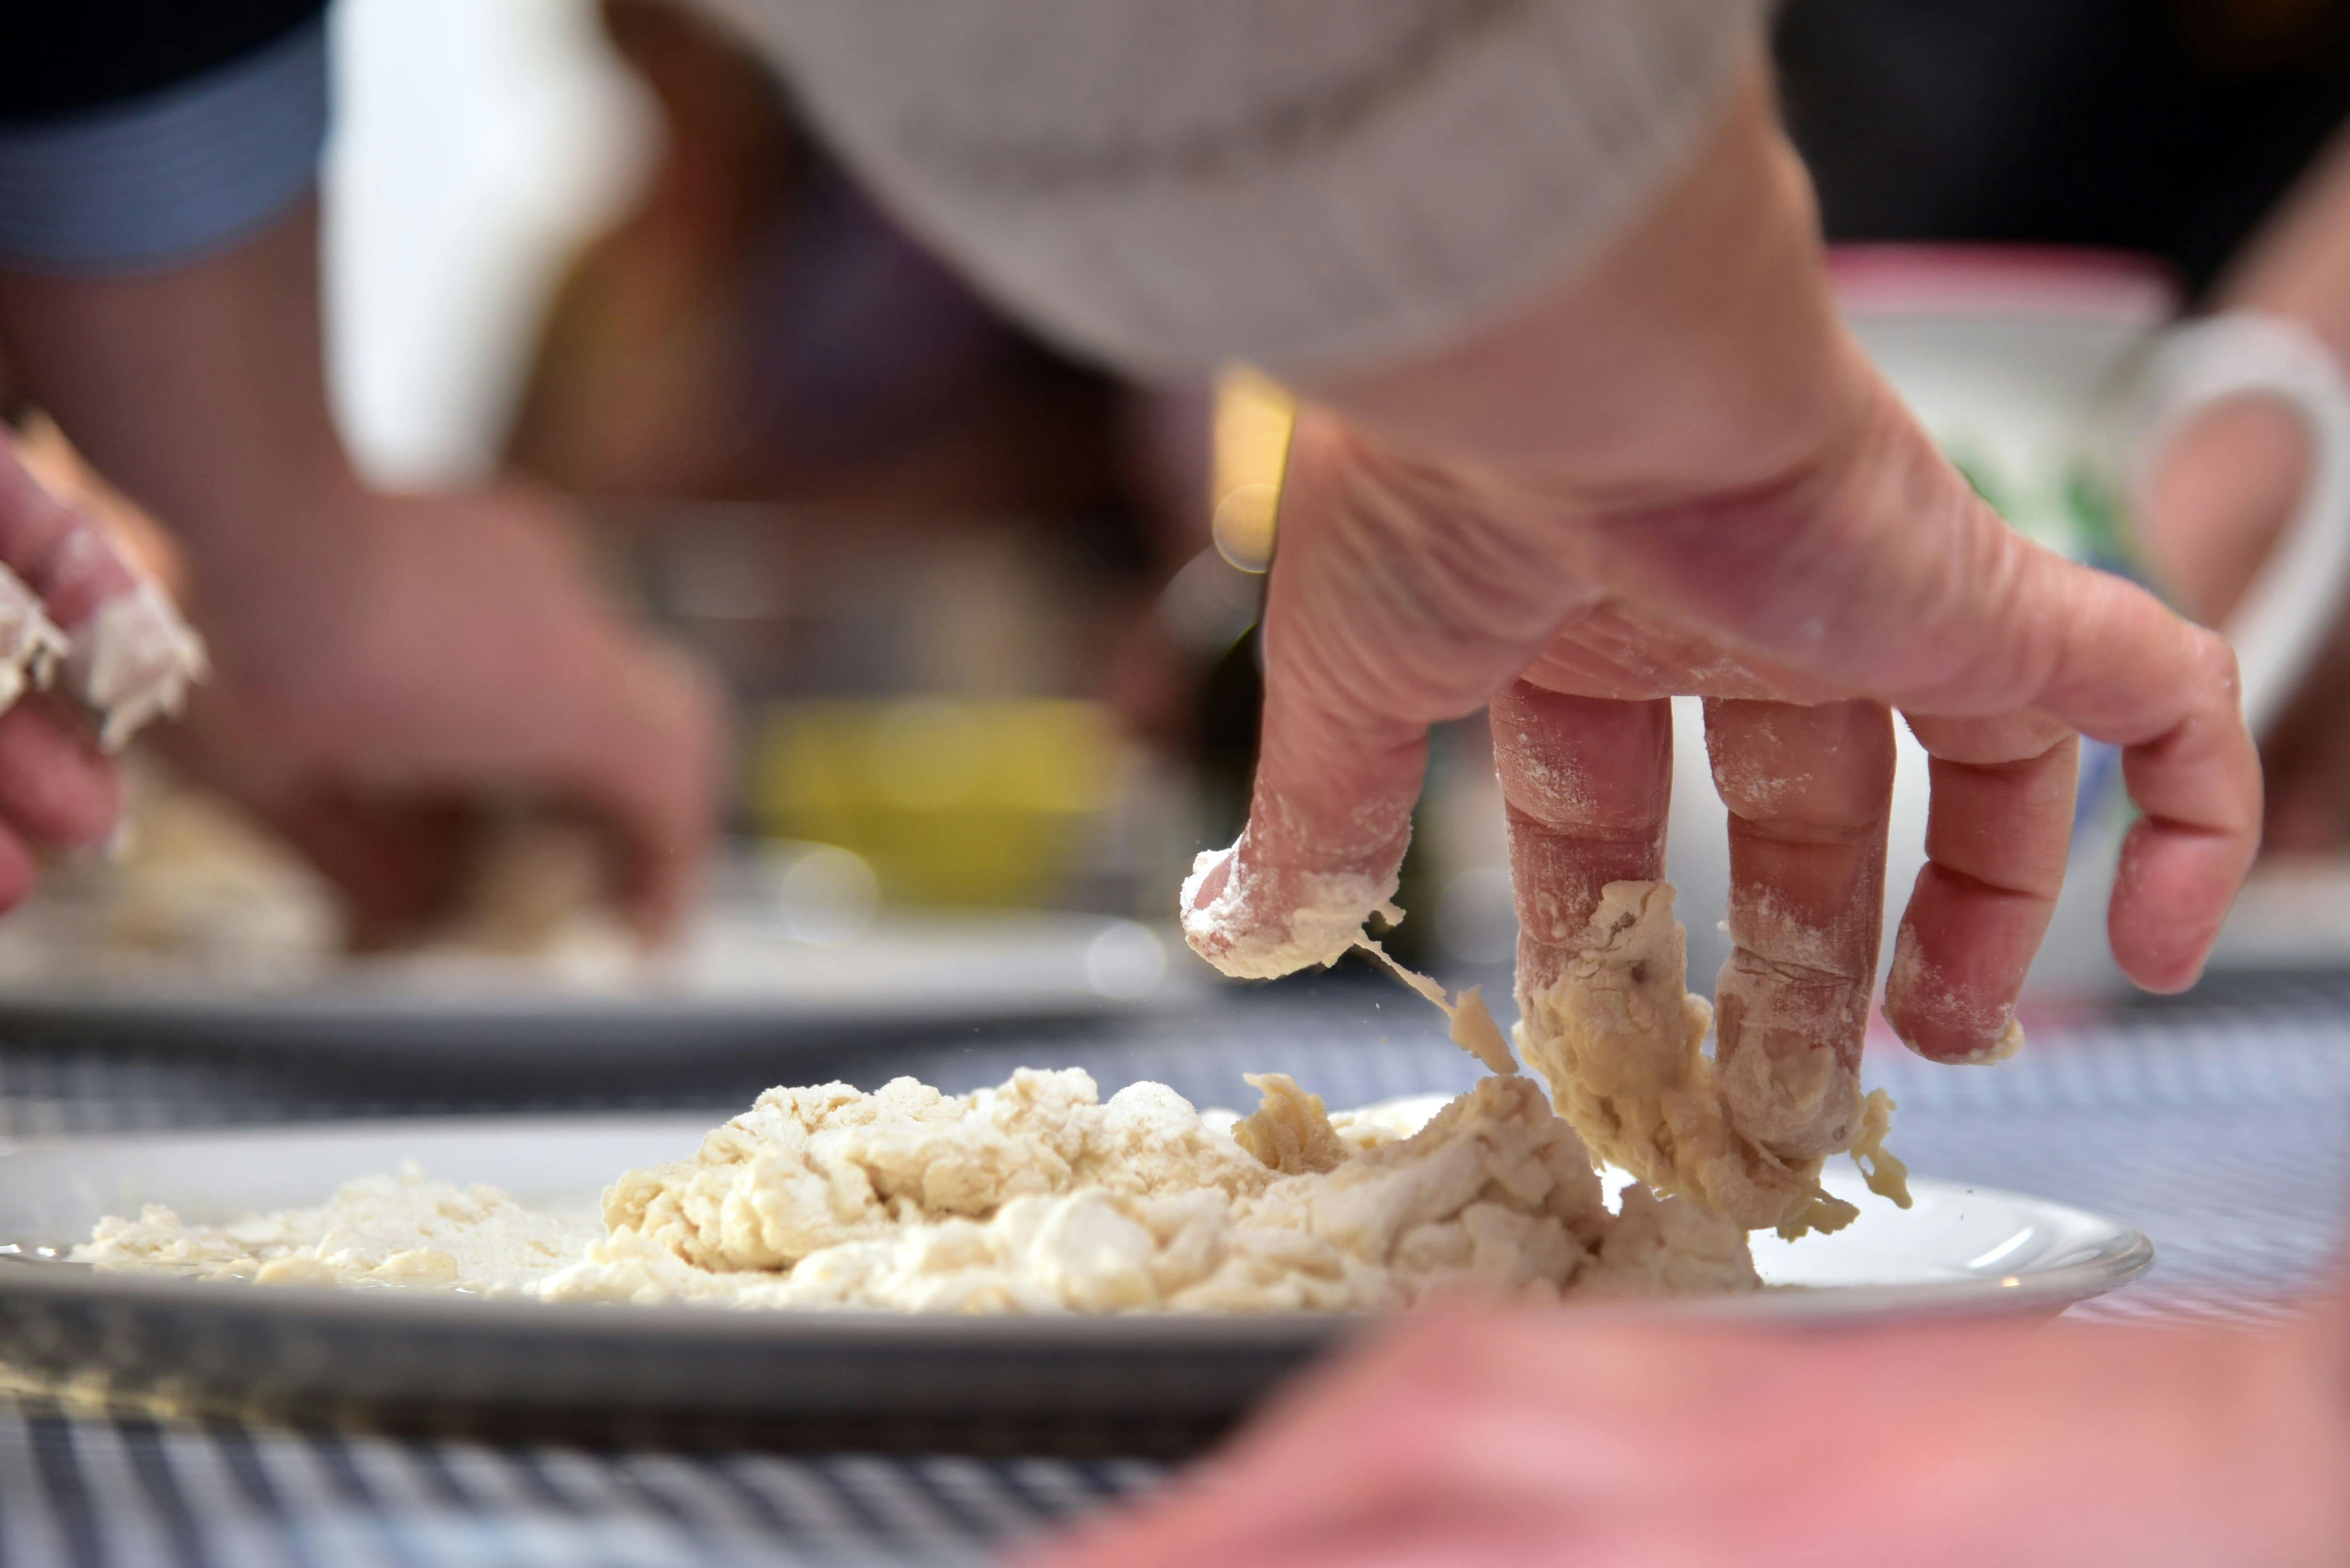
{"x":804,"y":1170}
{"x":1034,"y":1196}
{"x":1037,"y":1196}
{"x":1620,"y":1041}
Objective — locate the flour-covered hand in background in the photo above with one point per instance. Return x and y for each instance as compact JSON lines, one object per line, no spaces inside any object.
{"x":77,"y":621}
{"x":391,"y":669}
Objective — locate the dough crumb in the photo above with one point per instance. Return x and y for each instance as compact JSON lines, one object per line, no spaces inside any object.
{"x":1291,"y":1131}
{"x":133,"y":661}
{"x":31,"y":645}
{"x":1474,"y":1031}
{"x":2003,"y":1047}
{"x":1883,"y":1169}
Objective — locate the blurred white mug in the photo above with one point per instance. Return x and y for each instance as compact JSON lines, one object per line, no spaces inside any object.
{"x":2054,"y":378}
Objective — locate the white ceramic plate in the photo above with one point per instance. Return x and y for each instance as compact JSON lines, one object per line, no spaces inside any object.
{"x":1145,"y":1382}
{"x":740,"y":980}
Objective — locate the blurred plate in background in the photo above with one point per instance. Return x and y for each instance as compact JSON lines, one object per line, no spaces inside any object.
{"x":741,"y":977}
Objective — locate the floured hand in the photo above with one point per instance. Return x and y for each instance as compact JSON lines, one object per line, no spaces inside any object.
{"x":79,"y":627}
{"x":1675,"y":475}
{"x":456,"y":664}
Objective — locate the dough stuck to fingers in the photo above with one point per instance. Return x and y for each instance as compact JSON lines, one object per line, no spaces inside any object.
{"x":1620,"y":1041}
{"x":1323,"y":922}
{"x":1325,"y":925}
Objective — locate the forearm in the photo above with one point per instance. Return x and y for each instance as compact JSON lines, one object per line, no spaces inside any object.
{"x":201,"y":392}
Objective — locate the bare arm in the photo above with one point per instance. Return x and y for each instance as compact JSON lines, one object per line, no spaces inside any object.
{"x":382,"y":659}
{"x":200,"y":391}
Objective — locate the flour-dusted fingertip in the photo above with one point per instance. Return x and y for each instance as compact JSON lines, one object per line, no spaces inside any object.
{"x":1258,"y":921}
{"x":1943,"y":1014}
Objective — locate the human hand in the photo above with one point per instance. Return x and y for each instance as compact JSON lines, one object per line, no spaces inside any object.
{"x":57,"y":571}
{"x":453,"y":657}
{"x":1681,"y":475}
{"x":1567,"y":1437}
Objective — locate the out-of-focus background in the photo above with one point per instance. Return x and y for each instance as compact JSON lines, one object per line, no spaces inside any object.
{"x":930,"y":557}
{"x":985,"y":616}
{"x":963,"y":589}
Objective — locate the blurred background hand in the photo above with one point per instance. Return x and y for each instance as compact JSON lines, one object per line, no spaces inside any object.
{"x":459,"y":659}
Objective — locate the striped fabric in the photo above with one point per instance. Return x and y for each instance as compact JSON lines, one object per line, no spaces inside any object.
{"x":2221,"y":1125}
{"x":171,"y":175}
{"x":90,"y":1491}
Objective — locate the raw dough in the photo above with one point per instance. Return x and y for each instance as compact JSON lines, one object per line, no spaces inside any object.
{"x":31,"y":646}
{"x":378,"y":1230}
{"x":1034,"y":1196}
{"x":1291,"y":1131}
{"x":1619,"y":1039}
{"x":1324,"y":925}
{"x":1037,"y":1196}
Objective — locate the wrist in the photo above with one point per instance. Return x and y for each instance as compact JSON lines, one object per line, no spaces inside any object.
{"x":1701,"y":354}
